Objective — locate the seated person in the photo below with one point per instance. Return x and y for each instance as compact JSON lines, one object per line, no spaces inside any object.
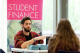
{"x":64,"y":39}
{"x":25,"y":36}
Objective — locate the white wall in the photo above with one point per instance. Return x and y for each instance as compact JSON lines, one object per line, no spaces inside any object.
{"x":3,"y":25}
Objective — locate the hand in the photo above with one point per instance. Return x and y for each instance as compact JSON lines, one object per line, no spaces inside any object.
{"x":40,"y":38}
{"x":37,"y":38}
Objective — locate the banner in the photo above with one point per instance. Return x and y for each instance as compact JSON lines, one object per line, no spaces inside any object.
{"x":16,"y":10}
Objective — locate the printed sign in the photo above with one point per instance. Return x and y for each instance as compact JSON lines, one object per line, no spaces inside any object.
{"x":17,"y":9}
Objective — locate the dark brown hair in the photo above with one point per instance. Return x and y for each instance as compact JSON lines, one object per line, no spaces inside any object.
{"x":64,"y":35}
{"x":24,"y":19}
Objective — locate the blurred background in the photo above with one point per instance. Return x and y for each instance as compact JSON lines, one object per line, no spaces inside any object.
{"x":53,"y":11}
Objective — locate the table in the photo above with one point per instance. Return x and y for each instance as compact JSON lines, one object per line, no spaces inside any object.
{"x":28,"y":51}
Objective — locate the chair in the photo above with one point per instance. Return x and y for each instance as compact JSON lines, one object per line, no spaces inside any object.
{"x":47,"y":39}
{"x":1,"y":51}
{"x":61,"y":51}
{"x":11,"y":46}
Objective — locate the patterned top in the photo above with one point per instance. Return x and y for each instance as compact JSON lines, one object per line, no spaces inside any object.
{"x":19,"y":38}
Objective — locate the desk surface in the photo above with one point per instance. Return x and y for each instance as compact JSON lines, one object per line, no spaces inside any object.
{"x":27,"y":50}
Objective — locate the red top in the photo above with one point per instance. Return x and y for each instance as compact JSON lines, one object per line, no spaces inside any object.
{"x":19,"y":38}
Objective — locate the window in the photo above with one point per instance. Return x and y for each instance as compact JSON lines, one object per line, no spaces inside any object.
{"x":74,"y":14}
{"x":49,"y":18}
{"x":47,"y":21}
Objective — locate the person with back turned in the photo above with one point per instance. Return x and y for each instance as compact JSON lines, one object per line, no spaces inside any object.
{"x":64,"y":39}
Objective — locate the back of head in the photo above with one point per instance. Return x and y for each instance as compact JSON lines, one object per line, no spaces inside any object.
{"x":66,"y":33}
{"x":64,"y":29}
{"x":64,"y":26}
{"x":64,"y":36}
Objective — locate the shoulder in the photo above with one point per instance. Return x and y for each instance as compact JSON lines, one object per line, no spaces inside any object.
{"x":18,"y":33}
{"x":53,"y":37}
{"x":34,"y":33}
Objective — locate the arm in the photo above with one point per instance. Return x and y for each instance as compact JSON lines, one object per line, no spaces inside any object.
{"x":24,"y":45}
{"x":20,"y":43}
{"x":41,"y":41}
